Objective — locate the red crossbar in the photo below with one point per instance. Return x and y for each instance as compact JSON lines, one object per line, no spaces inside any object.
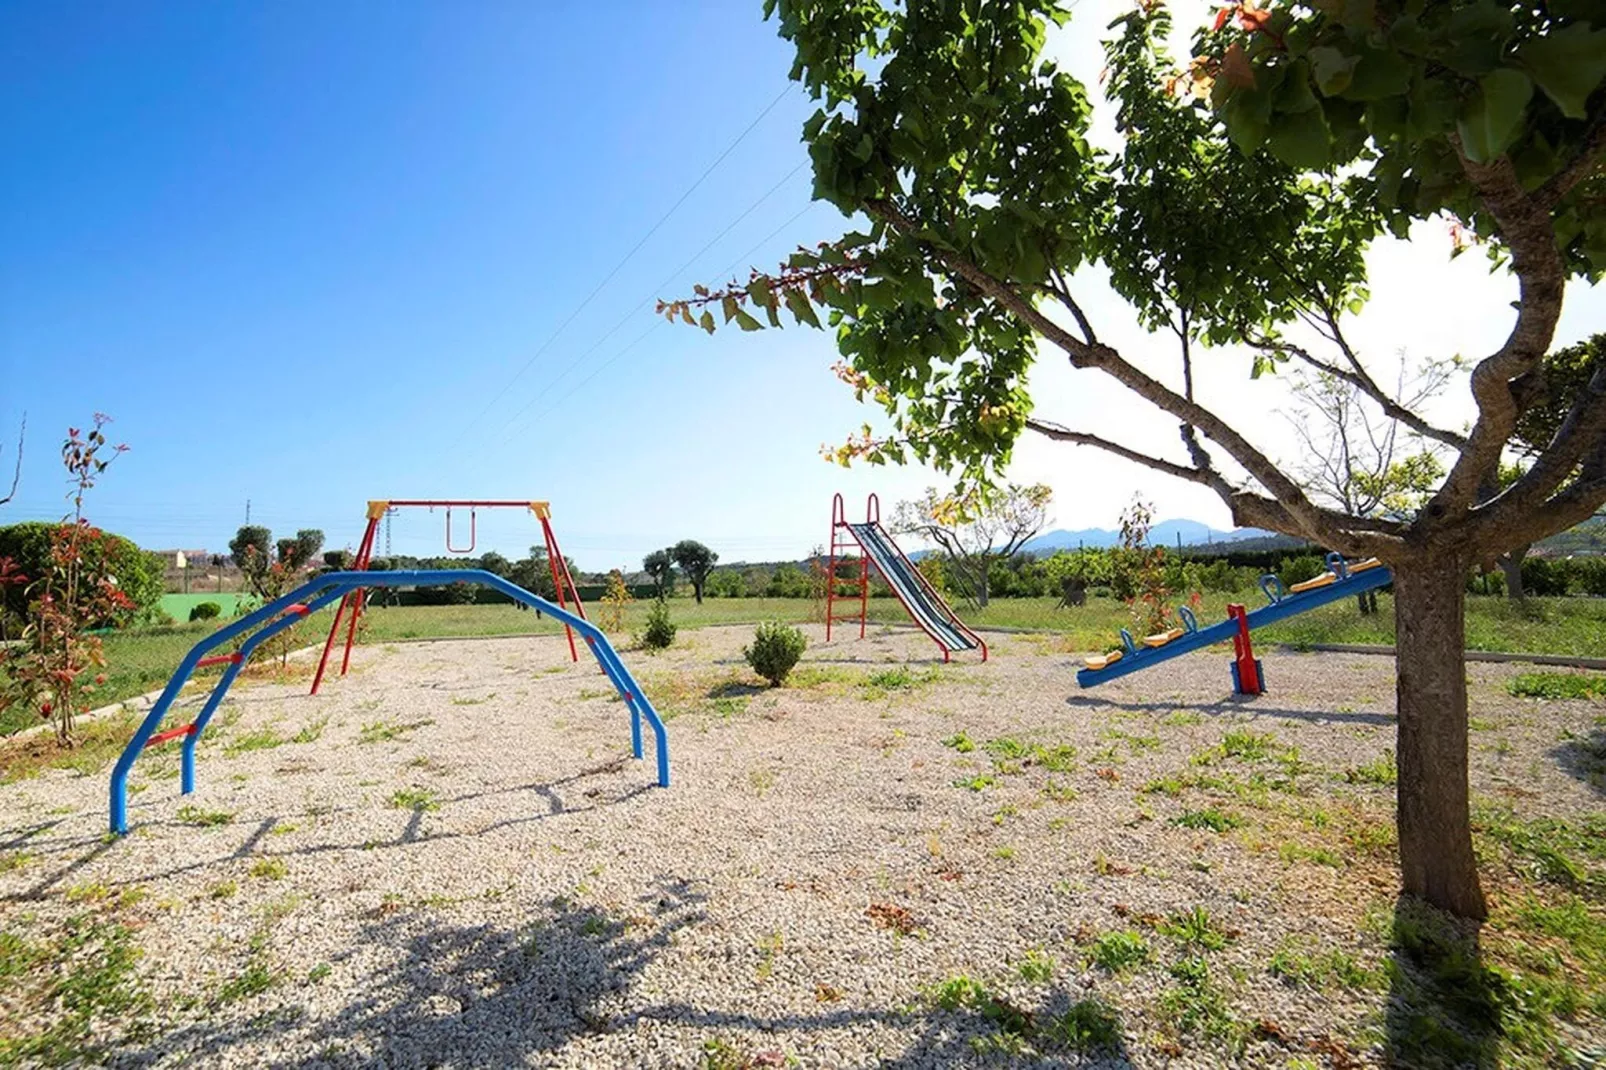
{"x":171,"y":734}
{"x":220,"y":659}
{"x":298,"y":609}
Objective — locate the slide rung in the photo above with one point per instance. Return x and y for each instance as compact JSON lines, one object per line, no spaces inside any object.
{"x":171,"y":734}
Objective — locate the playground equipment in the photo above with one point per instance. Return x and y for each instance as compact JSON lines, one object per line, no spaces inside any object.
{"x":935,"y":617}
{"x":309,"y":598}
{"x":354,"y":601}
{"x":1342,"y":580}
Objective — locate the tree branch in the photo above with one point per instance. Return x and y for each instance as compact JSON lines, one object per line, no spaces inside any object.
{"x":1314,"y":522}
{"x":1583,"y":430}
{"x":16,"y":474}
{"x":1062,"y":291}
{"x":1529,"y":233}
{"x":1363,"y":381}
{"x":1588,"y":158}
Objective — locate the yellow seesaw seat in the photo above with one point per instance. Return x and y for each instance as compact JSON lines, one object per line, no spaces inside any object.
{"x":1310,"y":585}
{"x":1162,"y":638}
{"x":1362,"y":566}
{"x":1102,"y":661}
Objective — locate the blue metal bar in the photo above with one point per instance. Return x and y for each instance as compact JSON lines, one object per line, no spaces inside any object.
{"x":320,"y":592}
{"x":1280,"y":609}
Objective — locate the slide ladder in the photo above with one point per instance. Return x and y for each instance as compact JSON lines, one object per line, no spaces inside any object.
{"x":267,"y":621}
{"x":877,"y":547}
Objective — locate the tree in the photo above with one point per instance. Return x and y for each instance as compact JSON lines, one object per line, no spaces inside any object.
{"x":660,"y":565}
{"x":496,"y":564}
{"x":696,"y":561}
{"x":975,"y":528}
{"x":1567,"y":374}
{"x":1248,"y":186}
{"x":272,"y":568}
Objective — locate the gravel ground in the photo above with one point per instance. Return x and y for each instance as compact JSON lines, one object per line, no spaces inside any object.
{"x":463,"y":867}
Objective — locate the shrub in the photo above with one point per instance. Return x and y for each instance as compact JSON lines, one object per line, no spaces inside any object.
{"x":1299,"y":569}
{"x":660,"y":630}
{"x":776,"y":648}
{"x":138,"y":573}
{"x":1543,"y":577}
{"x":1589,"y":575}
{"x":206,"y":611}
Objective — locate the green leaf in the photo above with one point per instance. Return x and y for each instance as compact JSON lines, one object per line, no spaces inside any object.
{"x":1492,"y":118}
{"x":746,"y":322}
{"x":1247,"y":115}
{"x":1302,"y":140}
{"x":759,"y":291}
{"x":729,"y":306}
{"x":1294,"y":95}
{"x":1333,"y":69}
{"x":1568,"y":65}
{"x":707,"y":322}
{"x":1379,"y":74}
{"x":802,"y":310}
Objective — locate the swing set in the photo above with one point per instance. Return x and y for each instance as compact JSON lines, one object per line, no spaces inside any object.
{"x":355,"y":600}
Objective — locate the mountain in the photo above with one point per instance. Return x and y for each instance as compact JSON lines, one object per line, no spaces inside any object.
{"x":1165,"y":533}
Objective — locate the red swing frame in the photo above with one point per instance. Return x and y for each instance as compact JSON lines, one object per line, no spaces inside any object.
{"x":354,"y":601}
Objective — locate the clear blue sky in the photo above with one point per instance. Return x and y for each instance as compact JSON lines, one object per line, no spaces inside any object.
{"x":309,"y":254}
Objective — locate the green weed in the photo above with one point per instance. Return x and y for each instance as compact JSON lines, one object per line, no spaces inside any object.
{"x":1119,"y":949}
{"x":1557,"y":685}
{"x":414,"y":799}
{"x":1209,"y":818}
{"x":194,"y":815}
{"x":385,"y":731}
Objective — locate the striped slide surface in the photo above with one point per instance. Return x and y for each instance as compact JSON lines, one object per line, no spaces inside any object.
{"x":930,"y":611}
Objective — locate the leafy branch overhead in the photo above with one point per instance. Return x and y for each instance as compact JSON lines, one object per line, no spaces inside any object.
{"x":1249,"y":182}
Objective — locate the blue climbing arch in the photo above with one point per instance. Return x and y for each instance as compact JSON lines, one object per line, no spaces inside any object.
{"x":262,"y":624}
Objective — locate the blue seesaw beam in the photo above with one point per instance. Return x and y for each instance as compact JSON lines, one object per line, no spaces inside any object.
{"x":1282,"y":607}
{"x":281,"y":613}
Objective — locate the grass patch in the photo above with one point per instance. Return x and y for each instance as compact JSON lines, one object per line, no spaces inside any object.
{"x":1382,"y":771}
{"x":259,"y":739}
{"x":97,"y":743}
{"x":195,"y":815}
{"x":1197,"y":1007}
{"x":1296,"y":964}
{"x":1209,"y":818}
{"x":421,"y":799}
{"x":311,"y":732}
{"x":1557,"y":685}
{"x":1195,"y":928}
{"x":269,"y":869}
{"x":960,"y":742}
{"x":70,"y":994}
{"x":385,"y":731}
{"x":1118,"y":950}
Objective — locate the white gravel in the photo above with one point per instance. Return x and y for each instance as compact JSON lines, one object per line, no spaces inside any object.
{"x":547,"y":905}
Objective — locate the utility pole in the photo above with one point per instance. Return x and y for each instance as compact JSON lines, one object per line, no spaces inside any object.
{"x":248,"y":512}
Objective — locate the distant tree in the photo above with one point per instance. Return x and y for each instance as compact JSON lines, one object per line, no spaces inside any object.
{"x":660,"y":565}
{"x":696,"y":561}
{"x":339,"y":560}
{"x":614,"y":601}
{"x":271,"y":568}
{"x":975,"y":528}
{"x":496,"y":564}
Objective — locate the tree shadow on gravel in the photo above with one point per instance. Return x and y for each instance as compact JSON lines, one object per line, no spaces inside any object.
{"x":1232,"y":704}
{"x":1584,"y":756}
{"x":1445,"y":1005}
{"x":74,"y":852}
{"x":427,"y":992}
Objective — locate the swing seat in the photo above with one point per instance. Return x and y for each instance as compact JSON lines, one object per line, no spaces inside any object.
{"x":1323,"y":580}
{"x":1162,"y":638}
{"x":1102,"y":661}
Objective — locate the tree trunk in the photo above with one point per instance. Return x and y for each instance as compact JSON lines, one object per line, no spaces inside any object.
{"x":1511,"y":567}
{"x":697,"y":589}
{"x":1435,"y":827}
{"x":981,"y":586}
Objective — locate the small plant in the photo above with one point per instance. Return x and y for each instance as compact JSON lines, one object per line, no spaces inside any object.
{"x":960,"y":742}
{"x":384,"y":731}
{"x":223,"y":890}
{"x":1115,"y":951}
{"x":205,"y":611}
{"x":1195,"y":928}
{"x":194,"y":815}
{"x":775,"y":650}
{"x":659,"y":633}
{"x":260,"y":739}
{"x":1381,"y":771}
{"x":1088,"y":1026}
{"x":1209,"y":818}
{"x":269,"y":869}
{"x":614,"y":602}
{"x":1036,"y":967}
{"x":311,"y":732}
{"x":414,"y":799}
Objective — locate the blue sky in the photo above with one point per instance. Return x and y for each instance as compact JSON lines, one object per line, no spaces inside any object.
{"x":310,"y":254}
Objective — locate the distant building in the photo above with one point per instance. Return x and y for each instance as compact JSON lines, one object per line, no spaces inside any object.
{"x":181,"y":558}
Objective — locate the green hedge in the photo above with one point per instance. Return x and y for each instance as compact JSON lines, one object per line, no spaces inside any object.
{"x":138,"y":573}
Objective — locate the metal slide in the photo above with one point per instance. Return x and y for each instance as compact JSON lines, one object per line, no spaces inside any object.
{"x":924,"y":604}
{"x":1283,"y":604}
{"x":276,"y":616}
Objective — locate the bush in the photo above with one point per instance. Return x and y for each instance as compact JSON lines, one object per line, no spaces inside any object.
{"x":1589,"y":575}
{"x":660,"y":631}
{"x":206,"y":611}
{"x":138,"y":573}
{"x":1543,"y":577}
{"x":776,"y":648}
{"x":1299,"y":569}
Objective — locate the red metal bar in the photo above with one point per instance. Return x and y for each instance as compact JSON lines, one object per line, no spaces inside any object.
{"x":359,"y":597}
{"x":171,"y":734}
{"x":554,"y":560}
{"x":838,"y":515}
{"x":220,"y":659}
{"x":464,"y":502}
{"x":364,"y":550}
{"x":1243,"y":651}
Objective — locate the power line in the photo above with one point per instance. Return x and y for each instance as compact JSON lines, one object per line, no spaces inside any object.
{"x":656,"y":292}
{"x":659,"y":323}
{"x":581,"y":307}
